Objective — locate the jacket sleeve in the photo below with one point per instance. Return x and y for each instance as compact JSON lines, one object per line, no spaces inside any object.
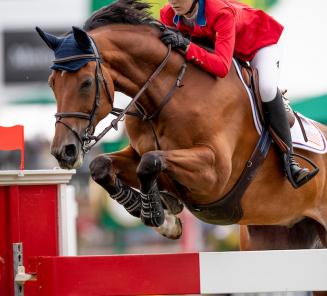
{"x":166,"y":17}
{"x":219,"y":61}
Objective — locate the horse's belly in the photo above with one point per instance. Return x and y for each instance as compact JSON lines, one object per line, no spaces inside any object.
{"x":222,"y":212}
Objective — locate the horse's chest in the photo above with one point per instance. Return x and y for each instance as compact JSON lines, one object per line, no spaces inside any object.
{"x":144,"y":138}
{"x":143,"y":144}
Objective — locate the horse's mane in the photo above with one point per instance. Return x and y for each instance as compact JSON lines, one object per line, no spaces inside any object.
{"x":133,"y":12}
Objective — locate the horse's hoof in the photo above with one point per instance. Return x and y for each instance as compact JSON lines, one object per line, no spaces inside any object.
{"x":172,"y":227}
{"x":179,"y":229}
{"x":172,"y":203}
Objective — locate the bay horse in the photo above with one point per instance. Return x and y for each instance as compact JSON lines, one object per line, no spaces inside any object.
{"x":192,"y":140}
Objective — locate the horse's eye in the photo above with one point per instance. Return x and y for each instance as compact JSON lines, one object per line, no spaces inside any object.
{"x":86,"y":84}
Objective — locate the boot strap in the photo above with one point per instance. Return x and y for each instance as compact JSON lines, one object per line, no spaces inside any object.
{"x":279,"y":142}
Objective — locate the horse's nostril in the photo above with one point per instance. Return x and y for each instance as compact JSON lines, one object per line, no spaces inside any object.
{"x":70,"y":151}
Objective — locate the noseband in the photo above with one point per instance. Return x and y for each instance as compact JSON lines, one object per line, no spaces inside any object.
{"x":88,"y":140}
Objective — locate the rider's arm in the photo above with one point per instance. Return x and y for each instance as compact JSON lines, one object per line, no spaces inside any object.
{"x":219,"y":61}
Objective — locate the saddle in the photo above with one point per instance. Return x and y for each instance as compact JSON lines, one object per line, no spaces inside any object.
{"x":306,"y":135}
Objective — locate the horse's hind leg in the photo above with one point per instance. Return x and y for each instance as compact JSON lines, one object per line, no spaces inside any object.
{"x":303,"y":235}
{"x":323,"y":235}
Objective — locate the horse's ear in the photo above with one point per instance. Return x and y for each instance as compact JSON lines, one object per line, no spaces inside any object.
{"x":51,"y":40}
{"x":81,"y":38}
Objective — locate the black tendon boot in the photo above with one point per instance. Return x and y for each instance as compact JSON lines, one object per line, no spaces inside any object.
{"x":128,"y":197}
{"x":152,"y":212}
{"x":276,"y":117}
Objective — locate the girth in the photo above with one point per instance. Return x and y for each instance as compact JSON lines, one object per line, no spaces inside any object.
{"x":228,"y":210}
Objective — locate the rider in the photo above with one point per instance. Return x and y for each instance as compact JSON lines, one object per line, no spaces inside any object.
{"x":248,"y":34}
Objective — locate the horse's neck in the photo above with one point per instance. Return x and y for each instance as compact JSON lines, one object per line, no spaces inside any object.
{"x":133,"y":54}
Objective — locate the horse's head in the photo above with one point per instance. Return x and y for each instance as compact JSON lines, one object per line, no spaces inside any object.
{"x":83,"y":91}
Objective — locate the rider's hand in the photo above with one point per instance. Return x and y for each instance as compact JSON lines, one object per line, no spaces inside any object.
{"x":176,"y":39}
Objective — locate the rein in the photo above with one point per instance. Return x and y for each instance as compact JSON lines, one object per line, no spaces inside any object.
{"x":88,"y":140}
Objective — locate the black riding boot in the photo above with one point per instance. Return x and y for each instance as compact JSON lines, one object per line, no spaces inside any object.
{"x":276,"y":117}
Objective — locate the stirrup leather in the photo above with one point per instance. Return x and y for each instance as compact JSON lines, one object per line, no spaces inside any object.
{"x":287,"y":165}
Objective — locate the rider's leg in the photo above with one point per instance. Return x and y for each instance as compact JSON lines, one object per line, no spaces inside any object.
{"x":266,"y":62}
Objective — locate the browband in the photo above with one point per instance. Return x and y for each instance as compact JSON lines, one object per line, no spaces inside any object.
{"x":75,"y":57}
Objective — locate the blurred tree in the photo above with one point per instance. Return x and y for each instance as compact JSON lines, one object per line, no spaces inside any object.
{"x":261,"y":4}
{"x":156,"y":5}
{"x":97,"y":4}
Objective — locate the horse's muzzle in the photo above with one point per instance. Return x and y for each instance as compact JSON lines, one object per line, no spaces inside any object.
{"x":69,"y":156}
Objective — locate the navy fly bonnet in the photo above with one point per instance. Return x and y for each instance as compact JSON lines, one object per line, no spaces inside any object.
{"x":72,"y":52}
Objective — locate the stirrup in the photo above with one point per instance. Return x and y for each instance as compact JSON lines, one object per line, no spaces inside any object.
{"x":308,"y":177}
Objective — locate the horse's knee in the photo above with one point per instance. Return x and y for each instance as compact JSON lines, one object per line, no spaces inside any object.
{"x":101,"y":170}
{"x":149,"y":168}
{"x":151,"y":164}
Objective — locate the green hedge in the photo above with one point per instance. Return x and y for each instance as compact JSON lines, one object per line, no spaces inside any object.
{"x":157,"y":4}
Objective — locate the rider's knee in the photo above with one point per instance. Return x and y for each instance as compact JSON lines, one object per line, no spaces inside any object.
{"x":268,"y":92}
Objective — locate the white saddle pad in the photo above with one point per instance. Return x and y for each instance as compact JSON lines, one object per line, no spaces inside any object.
{"x":315,"y":140}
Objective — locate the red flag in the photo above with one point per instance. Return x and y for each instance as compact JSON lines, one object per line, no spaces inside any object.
{"x":12,"y":138}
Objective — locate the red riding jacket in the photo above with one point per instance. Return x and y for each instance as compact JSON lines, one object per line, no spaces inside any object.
{"x":235,"y":28}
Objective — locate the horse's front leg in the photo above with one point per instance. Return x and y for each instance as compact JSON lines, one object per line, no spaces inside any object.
{"x":194,"y":168}
{"x":116,"y":173}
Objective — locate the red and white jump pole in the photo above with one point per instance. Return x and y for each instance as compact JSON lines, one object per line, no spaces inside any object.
{"x":34,"y":240}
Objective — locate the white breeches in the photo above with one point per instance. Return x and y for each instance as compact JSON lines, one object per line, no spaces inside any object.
{"x":266,"y":61}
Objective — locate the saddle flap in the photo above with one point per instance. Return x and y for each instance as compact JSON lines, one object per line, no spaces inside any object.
{"x":305,"y":132}
{"x":251,"y":78}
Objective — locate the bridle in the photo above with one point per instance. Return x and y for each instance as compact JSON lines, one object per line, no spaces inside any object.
{"x":99,"y":77}
{"x":88,"y":140}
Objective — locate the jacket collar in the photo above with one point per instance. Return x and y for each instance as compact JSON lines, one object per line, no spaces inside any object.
{"x":200,"y":19}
